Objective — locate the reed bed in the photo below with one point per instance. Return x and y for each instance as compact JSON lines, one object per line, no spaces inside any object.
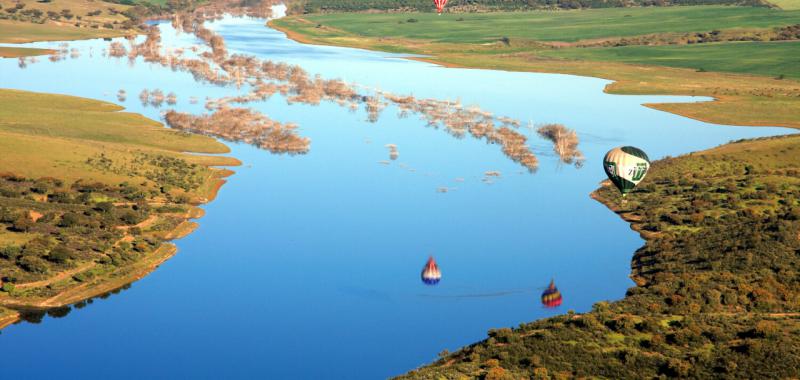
{"x":565,"y":143}
{"x":265,"y":78}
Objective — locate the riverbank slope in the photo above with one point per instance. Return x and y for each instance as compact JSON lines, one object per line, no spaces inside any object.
{"x":644,"y":50}
{"x":717,"y":290}
{"x":89,"y":196}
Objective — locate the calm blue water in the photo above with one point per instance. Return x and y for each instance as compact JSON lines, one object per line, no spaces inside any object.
{"x":308,"y":266}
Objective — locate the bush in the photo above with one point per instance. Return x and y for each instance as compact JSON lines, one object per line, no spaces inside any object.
{"x":22,"y":224}
{"x":69,"y":219}
{"x":33,"y":264}
{"x":10,"y":252}
{"x":60,"y":255}
{"x":130,"y":217}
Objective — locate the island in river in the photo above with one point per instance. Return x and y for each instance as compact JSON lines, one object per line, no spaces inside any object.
{"x":89,"y":197}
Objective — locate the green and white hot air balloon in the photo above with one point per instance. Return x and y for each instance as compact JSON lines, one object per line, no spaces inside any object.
{"x":626,"y":166}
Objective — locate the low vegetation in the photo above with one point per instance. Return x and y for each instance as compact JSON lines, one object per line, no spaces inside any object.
{"x":89,"y":196}
{"x":22,"y":32}
{"x":27,"y":21}
{"x":15,"y":52}
{"x":718,"y":289}
{"x":58,"y":20}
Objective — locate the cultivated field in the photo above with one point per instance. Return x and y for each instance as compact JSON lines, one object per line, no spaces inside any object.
{"x":554,"y":25}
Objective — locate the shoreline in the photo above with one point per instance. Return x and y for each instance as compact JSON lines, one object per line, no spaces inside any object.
{"x":568,"y":67}
{"x":671,"y":311}
{"x":134,"y":273}
{"x":10,"y":319}
{"x":21,"y":52}
{"x":635,"y":221}
{"x":103,"y":278}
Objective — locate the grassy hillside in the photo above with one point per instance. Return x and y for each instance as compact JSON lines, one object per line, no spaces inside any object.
{"x":554,"y":26}
{"x":21,"y":32}
{"x":14,"y":52}
{"x":89,"y":196}
{"x":27,"y":21}
{"x":53,"y":20}
{"x":64,"y":131}
{"x":649,"y":51}
{"x":718,"y":289}
{"x":95,"y":11}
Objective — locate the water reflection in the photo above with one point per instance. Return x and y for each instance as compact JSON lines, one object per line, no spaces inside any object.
{"x":36,"y":316}
{"x":430,"y":273}
{"x":551,"y":297}
{"x":211,"y":62}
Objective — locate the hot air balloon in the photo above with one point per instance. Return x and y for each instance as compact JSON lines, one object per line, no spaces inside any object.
{"x":551,"y":297}
{"x":430,"y":273}
{"x":626,"y":166}
{"x":439,"y":5}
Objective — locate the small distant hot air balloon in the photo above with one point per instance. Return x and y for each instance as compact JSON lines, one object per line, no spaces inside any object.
{"x":430,"y":273}
{"x":626,"y":166}
{"x":439,"y":5}
{"x":551,"y":297}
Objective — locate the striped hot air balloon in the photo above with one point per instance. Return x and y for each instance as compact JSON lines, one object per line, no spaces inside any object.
{"x":626,"y":166}
{"x":551,"y":297}
{"x":430,"y":273}
{"x":439,"y":5}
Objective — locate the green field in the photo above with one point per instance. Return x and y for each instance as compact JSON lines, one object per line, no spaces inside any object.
{"x":787,"y":4}
{"x":555,"y":25}
{"x":763,"y":58}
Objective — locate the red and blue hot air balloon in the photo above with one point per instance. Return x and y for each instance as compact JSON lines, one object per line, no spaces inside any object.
{"x":551,"y":297}
{"x":430,"y":273}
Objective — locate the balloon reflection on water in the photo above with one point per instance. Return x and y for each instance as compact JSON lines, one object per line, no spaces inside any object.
{"x":551,"y":297}
{"x":430,"y":273}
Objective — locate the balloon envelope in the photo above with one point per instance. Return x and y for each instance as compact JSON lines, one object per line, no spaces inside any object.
{"x":430,"y":273}
{"x":626,"y":166}
{"x":551,"y":297}
{"x":439,"y":5}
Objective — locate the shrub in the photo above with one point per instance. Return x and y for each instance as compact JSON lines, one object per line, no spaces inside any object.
{"x":69,"y":219}
{"x":10,"y":252}
{"x":22,"y":224}
{"x":60,"y":254}
{"x":33,"y":264}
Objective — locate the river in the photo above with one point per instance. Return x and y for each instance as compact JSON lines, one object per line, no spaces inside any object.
{"x":308,"y":266}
